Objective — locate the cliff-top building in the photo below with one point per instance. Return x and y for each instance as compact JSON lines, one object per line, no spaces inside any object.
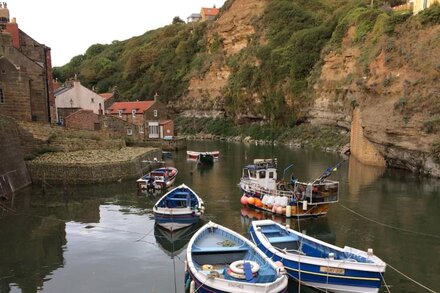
{"x":25,"y":74}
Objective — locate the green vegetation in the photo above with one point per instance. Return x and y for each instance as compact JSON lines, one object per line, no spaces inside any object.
{"x":430,"y":16}
{"x":269,"y":88}
{"x":309,"y":135}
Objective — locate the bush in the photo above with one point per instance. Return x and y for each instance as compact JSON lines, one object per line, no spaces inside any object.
{"x":431,"y":15}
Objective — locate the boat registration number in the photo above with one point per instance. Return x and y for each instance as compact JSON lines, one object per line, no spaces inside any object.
{"x":235,"y":285}
{"x":330,"y":270}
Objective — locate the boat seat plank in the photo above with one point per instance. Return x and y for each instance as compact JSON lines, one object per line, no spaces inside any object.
{"x":289,"y":238}
{"x":196,"y":249}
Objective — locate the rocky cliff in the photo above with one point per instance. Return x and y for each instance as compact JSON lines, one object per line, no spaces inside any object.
{"x":391,"y":79}
{"x":233,"y":30}
{"x":395,"y":93}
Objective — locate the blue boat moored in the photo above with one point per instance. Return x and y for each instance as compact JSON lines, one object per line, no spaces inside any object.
{"x":316,"y":263}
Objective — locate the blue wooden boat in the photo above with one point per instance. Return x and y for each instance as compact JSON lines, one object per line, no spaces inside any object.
{"x":316,"y":263}
{"x":178,"y":208}
{"x":221,"y":260}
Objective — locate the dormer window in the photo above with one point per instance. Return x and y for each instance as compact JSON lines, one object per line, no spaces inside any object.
{"x":155,"y":113}
{"x":133,"y":113}
{"x":120,"y":113}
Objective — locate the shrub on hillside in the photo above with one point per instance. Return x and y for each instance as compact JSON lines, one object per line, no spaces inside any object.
{"x":431,"y":15}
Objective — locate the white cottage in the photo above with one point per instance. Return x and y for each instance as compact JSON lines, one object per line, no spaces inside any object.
{"x":74,"y":97}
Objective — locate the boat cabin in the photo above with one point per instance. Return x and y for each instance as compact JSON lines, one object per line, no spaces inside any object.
{"x":262,"y":173}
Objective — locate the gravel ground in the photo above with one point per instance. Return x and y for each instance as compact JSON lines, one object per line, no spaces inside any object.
{"x":93,"y":156}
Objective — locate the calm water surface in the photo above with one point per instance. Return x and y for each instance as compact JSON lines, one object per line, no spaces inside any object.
{"x":102,"y":238}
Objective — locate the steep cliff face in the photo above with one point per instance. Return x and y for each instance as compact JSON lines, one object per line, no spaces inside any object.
{"x":396,"y":94}
{"x":232,"y":30}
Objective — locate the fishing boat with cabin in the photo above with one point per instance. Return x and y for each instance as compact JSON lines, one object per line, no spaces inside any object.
{"x":316,"y":263}
{"x":262,"y":190}
{"x":178,"y":208}
{"x":221,"y":260}
{"x":161,"y":178}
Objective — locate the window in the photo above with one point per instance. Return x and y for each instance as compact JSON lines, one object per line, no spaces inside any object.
{"x":129,"y":131}
{"x":141,"y":129}
{"x":2,"y":97}
{"x":133,"y":113}
{"x":153,"y":130}
{"x":271,"y":175}
{"x":120,"y":113}
{"x":155,"y":113}
{"x":3,"y":71}
{"x":92,"y":100}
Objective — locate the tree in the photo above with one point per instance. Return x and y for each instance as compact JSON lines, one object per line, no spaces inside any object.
{"x":177,"y":19}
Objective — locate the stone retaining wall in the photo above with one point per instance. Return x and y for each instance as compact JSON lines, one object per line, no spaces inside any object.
{"x":13,"y":172}
{"x":86,"y":173}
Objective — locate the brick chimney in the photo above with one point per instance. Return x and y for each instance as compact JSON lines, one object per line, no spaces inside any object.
{"x":12,"y":28}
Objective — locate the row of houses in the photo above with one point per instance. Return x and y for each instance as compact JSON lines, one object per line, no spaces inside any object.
{"x":28,"y":93}
{"x":78,"y":107}
{"x":204,"y":15}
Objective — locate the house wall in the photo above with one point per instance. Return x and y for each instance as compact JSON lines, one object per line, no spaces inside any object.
{"x":168,"y":129}
{"x":29,"y":79}
{"x":82,"y":98}
{"x":120,"y":127}
{"x":137,"y":120}
{"x":419,"y":5}
{"x":15,"y":86}
{"x":83,"y":119}
{"x":161,"y":112}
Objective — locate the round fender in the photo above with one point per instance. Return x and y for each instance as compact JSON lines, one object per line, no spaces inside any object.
{"x":237,"y":266}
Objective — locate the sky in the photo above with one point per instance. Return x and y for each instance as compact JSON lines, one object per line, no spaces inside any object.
{"x":70,"y":27}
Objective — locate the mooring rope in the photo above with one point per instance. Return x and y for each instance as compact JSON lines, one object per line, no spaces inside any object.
{"x":389,"y":226}
{"x":411,"y":279}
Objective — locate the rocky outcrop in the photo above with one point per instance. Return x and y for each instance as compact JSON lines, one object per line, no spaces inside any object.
{"x":233,"y":29}
{"x":393,"y":95}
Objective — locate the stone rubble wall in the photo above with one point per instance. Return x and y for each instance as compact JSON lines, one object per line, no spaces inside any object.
{"x":93,"y":172}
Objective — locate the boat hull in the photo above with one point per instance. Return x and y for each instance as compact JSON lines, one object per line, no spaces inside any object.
{"x":336,"y":278}
{"x":176,"y":221}
{"x":297,"y":211}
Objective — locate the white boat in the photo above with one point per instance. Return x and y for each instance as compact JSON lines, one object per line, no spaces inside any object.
{"x":178,"y":208}
{"x":262,"y":190}
{"x":316,"y":263}
{"x":221,"y":260}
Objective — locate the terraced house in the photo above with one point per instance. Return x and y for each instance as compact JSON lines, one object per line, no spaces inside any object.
{"x":26,"y":91}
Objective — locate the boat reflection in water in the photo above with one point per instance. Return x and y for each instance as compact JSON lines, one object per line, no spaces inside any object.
{"x":174,"y":242}
{"x":315,"y":227}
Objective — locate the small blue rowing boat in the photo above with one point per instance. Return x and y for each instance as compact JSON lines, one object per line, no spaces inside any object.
{"x":221,"y":260}
{"x":178,"y":208}
{"x":316,"y":263}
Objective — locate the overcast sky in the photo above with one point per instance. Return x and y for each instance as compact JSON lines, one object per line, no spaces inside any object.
{"x":70,"y":27}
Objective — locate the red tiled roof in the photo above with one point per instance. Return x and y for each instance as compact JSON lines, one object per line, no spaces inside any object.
{"x":106,"y":96}
{"x":210,"y":11}
{"x":127,"y":107}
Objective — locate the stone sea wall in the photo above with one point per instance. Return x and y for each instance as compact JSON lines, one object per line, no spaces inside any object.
{"x":13,"y":173}
{"x":93,"y":166}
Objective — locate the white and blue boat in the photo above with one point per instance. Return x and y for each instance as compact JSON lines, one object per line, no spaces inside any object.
{"x":221,"y":260}
{"x":316,"y":263}
{"x":178,"y":208}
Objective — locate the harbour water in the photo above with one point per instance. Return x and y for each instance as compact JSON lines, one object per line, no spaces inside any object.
{"x":102,"y":238}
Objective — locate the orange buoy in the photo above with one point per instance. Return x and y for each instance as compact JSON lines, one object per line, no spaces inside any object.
{"x":258,"y":203}
{"x":251,"y":200}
